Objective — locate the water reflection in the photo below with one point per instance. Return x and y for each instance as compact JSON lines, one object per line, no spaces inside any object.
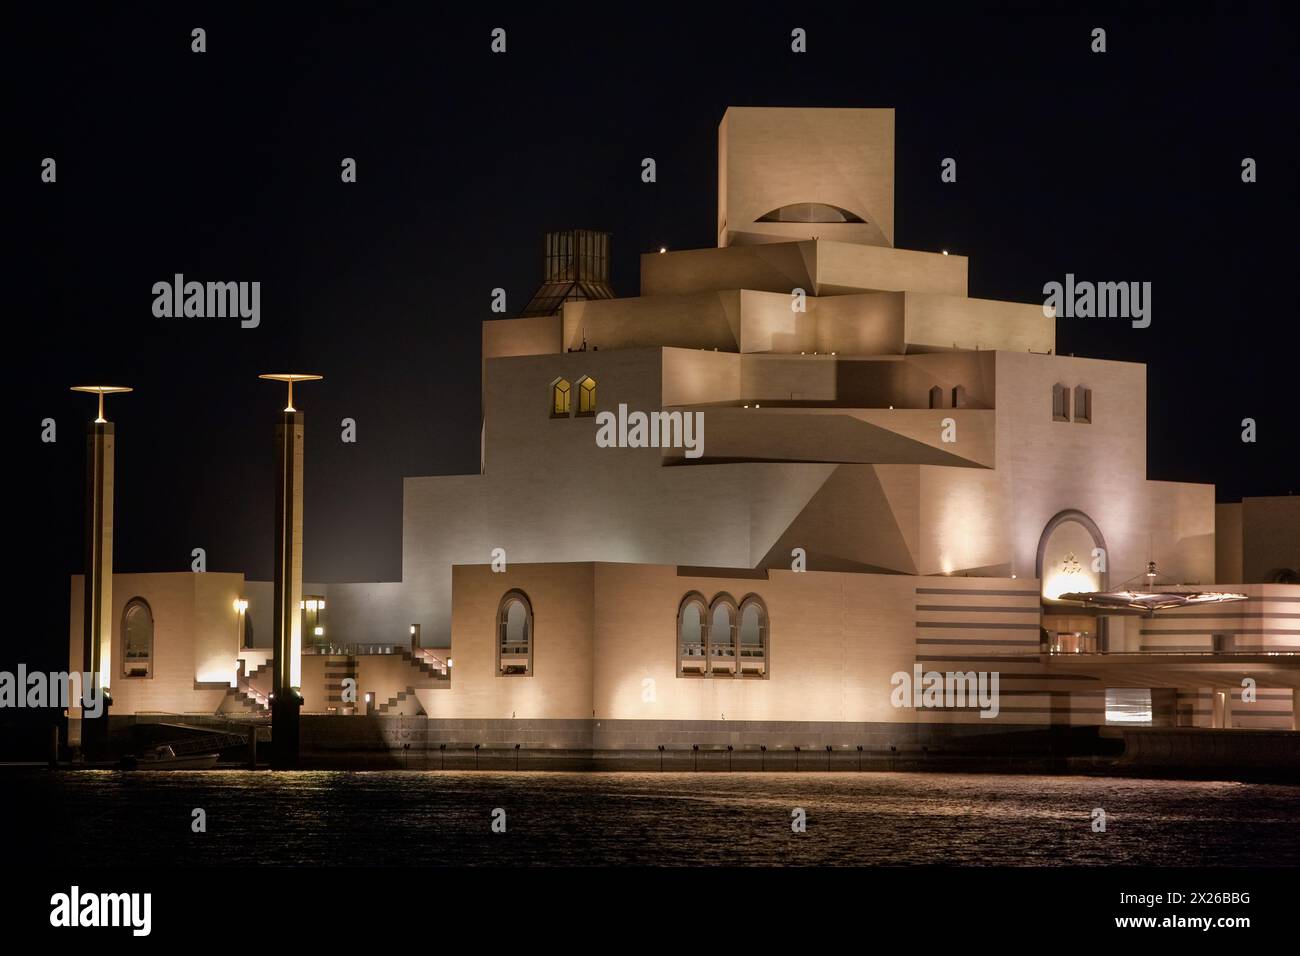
{"x":387,"y":818}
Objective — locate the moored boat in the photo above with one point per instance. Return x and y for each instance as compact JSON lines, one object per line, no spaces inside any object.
{"x":165,"y":758}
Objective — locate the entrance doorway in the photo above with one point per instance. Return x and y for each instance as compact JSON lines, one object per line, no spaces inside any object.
{"x":1221,"y":716}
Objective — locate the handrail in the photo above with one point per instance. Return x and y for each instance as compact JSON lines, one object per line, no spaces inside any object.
{"x":1171,"y":653}
{"x":245,"y":686}
{"x":355,"y":649}
{"x":427,"y":655}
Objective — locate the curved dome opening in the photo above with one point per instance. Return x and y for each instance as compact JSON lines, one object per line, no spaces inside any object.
{"x":810,"y":212}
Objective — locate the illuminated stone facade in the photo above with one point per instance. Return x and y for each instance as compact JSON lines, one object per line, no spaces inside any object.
{"x":894,"y":472}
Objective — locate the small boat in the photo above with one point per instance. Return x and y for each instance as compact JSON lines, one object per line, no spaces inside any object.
{"x":164,"y":758}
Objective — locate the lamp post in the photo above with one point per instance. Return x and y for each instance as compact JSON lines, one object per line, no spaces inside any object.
{"x":286,"y":682}
{"x":241,"y":608}
{"x":97,"y":594}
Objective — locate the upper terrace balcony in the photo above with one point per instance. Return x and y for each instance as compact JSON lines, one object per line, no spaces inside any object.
{"x":862,"y":323}
{"x":819,"y":266}
{"x":756,"y":309}
{"x":931,"y":382}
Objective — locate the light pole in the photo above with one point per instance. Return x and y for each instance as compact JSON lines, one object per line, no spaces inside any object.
{"x":286,"y":683}
{"x":241,"y":608}
{"x":97,"y":594}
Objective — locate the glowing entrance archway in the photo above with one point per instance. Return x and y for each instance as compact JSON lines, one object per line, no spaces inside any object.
{"x":1073,"y":557}
{"x":1058,"y":572}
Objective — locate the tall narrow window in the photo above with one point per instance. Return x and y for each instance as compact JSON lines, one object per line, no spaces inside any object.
{"x":691,"y":615}
{"x":753,"y":637}
{"x":1083,"y":404}
{"x":721,"y":637}
{"x":561,"y":398}
{"x":587,"y":396}
{"x":959,"y":396}
{"x":1060,"y":403}
{"x":515,"y":634}
{"x":936,"y":397}
{"x":137,"y":639}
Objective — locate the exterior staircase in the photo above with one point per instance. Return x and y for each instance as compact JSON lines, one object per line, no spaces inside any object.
{"x":429,"y":673}
{"x":246,"y":698}
{"x":423,"y":670}
{"x":433,"y":677}
{"x":394,"y":702}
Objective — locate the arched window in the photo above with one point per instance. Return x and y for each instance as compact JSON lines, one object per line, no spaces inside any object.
{"x":561,"y":398}
{"x":936,"y":397}
{"x":809,"y":212}
{"x":722,"y":634}
{"x":959,"y":396}
{"x":720,"y":639}
{"x":753,"y":637}
{"x":515,"y":634}
{"x":586,"y":396}
{"x":691,"y":635}
{"x":137,"y":639}
{"x":1083,"y":404}
{"x":1060,"y":403}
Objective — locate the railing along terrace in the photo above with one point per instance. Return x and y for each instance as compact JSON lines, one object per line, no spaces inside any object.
{"x":1174,"y":653}
{"x":355,"y":649}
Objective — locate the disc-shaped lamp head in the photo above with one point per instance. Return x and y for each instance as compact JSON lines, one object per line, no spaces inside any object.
{"x":291,"y":377}
{"x":101,"y":391}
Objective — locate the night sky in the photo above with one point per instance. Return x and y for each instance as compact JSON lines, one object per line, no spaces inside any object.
{"x":225,"y":166}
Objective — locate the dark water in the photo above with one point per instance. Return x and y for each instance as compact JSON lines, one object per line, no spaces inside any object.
{"x":444,"y":818}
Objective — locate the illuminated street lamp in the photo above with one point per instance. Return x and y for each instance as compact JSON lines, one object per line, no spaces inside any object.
{"x":286,"y":698}
{"x":97,"y":594}
{"x":241,"y":609}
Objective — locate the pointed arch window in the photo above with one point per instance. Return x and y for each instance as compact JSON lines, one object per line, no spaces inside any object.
{"x":753,"y":637}
{"x":722,"y":635}
{"x":1060,"y":403}
{"x":561,"y":398}
{"x":137,"y":639}
{"x":936,"y":397}
{"x":692,"y":615}
{"x":722,"y":639}
{"x":586,"y":396}
{"x":515,"y":635}
{"x":1083,"y":404}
